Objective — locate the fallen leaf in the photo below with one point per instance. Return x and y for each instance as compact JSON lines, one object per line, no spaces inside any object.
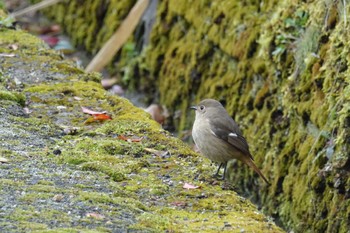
{"x":108,"y":82}
{"x":3,"y":160}
{"x":53,"y":29}
{"x":122,"y":137}
{"x":49,"y":39}
{"x":157,"y":113}
{"x":77,"y":98}
{"x":132,"y":139}
{"x":160,"y":153}
{"x":95,"y":215}
{"x":179,"y":203}
{"x":101,"y":117}
{"x":136,"y":139}
{"x":91,"y":112}
{"x":60,"y":107}
{"x":97,"y":117}
{"x":7,"y":54}
{"x":190,"y":186}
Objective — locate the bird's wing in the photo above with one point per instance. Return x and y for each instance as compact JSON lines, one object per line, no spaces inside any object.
{"x":231,"y":134}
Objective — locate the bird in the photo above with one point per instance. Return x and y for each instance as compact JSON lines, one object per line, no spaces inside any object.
{"x":219,"y":138}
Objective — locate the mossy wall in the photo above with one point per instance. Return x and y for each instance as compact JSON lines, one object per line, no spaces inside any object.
{"x":90,"y":23}
{"x":280,"y":67}
{"x":61,"y":172}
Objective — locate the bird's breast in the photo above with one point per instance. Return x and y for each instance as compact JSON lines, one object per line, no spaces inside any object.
{"x":210,"y":145}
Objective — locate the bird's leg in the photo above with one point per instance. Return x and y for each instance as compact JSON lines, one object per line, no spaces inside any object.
{"x":217,"y":172}
{"x":224,"y":175}
{"x":220,"y":166}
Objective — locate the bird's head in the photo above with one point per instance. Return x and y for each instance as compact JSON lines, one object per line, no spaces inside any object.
{"x":206,"y":107}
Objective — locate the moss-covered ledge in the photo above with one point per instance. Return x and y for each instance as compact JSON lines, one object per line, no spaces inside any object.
{"x":66,"y":176}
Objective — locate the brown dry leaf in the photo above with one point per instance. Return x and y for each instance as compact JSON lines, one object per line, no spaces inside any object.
{"x":132,"y":139}
{"x":157,"y":112}
{"x":108,"y":82}
{"x":179,"y":203}
{"x":160,"y":153}
{"x":190,"y":186}
{"x":3,"y":160}
{"x":91,"y":112}
{"x":61,"y":108}
{"x":77,"y":98}
{"x":7,"y":54}
{"x":95,"y":215}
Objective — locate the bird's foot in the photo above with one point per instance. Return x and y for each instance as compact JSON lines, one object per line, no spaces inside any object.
{"x":222,"y":177}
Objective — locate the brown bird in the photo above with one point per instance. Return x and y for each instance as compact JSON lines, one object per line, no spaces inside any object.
{"x":218,"y":136}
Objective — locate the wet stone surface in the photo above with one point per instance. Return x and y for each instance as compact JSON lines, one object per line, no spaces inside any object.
{"x":97,"y":179}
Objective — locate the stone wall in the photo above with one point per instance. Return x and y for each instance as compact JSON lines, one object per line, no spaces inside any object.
{"x":62,"y":170}
{"x":281,"y":69}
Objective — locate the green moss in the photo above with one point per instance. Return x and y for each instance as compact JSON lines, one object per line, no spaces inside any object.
{"x":151,"y":222}
{"x":12,"y":96}
{"x":96,"y":166}
{"x":43,"y":188}
{"x":33,"y":197}
{"x":278,"y":73}
{"x":92,"y":89}
{"x":33,"y":226}
{"x":98,"y":198}
{"x":68,"y":68}
{"x":26,"y":40}
{"x":7,"y":182}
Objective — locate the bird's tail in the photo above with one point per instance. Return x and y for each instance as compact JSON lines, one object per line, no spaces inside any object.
{"x":251,"y":164}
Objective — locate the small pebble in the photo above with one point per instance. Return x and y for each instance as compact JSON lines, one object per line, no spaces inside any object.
{"x":57,"y":152}
{"x":58,"y":197}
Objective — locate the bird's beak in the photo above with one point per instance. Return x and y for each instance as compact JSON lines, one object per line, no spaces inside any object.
{"x":193,"y":107}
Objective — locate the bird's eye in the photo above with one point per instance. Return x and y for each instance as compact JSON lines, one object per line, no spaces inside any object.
{"x":201,"y":107}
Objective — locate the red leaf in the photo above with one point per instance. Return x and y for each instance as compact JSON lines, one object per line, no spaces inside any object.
{"x":101,"y":117}
{"x":50,"y":40}
{"x":190,"y":186}
{"x":97,"y":117}
{"x":122,"y":137}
